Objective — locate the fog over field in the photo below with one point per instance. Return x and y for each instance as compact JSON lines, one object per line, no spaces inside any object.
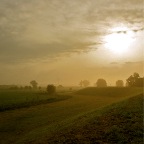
{"x":64,"y":41}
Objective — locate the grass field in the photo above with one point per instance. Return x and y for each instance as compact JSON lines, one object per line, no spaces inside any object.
{"x":13,"y":99}
{"x":38,"y":123}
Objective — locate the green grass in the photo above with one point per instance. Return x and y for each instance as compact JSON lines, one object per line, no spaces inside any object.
{"x":13,"y":99}
{"x":41,"y":122}
{"x":109,"y":91}
{"x":8,"y":97}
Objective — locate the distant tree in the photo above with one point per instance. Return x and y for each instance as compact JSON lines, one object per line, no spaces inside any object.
{"x":119,"y":83}
{"x":132,"y":80}
{"x":101,"y":83}
{"x":51,"y":89}
{"x":136,"y":75}
{"x":34,"y":84}
{"x":84,"y":83}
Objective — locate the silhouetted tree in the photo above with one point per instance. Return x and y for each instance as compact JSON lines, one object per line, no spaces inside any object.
{"x":51,"y":89}
{"x":136,"y":75}
{"x":119,"y":83}
{"x":34,"y":84}
{"x":101,"y":83}
{"x":132,"y":80}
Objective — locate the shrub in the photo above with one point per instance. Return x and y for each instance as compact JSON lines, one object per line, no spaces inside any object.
{"x":51,"y":89}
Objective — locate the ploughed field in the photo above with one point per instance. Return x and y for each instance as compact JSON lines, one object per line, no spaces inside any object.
{"x":102,"y":115}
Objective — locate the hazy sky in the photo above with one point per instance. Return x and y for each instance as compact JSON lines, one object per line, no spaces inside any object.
{"x":65,"y":41}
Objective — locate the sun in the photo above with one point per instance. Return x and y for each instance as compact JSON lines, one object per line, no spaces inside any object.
{"x":119,"y":40}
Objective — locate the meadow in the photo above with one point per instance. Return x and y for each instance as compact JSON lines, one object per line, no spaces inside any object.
{"x":36,"y":117}
{"x":13,"y":99}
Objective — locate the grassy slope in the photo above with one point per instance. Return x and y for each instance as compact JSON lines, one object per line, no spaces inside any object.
{"x":118,"y":123}
{"x":41,"y":121}
{"x":110,"y":91}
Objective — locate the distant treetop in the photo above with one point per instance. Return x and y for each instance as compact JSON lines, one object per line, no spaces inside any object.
{"x":51,"y":89}
{"x":34,"y":84}
{"x":101,"y":83}
{"x":135,"y":80}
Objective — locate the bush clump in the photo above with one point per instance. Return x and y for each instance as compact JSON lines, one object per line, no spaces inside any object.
{"x":51,"y":89}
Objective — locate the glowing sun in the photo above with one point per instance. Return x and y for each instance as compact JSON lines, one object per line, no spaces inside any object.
{"x":119,"y":41}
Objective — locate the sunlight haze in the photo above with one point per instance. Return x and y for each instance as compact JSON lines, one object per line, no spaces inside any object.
{"x":64,"y":41}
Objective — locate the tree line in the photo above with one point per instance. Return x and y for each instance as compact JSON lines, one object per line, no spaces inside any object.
{"x":132,"y":81}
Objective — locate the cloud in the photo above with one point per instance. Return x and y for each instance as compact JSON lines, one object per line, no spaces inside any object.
{"x":32,"y":30}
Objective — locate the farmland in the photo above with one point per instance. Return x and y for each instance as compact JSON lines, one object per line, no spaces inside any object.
{"x":35,"y":117}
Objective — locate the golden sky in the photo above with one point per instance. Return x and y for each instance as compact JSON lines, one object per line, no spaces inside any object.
{"x":65,"y":41}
